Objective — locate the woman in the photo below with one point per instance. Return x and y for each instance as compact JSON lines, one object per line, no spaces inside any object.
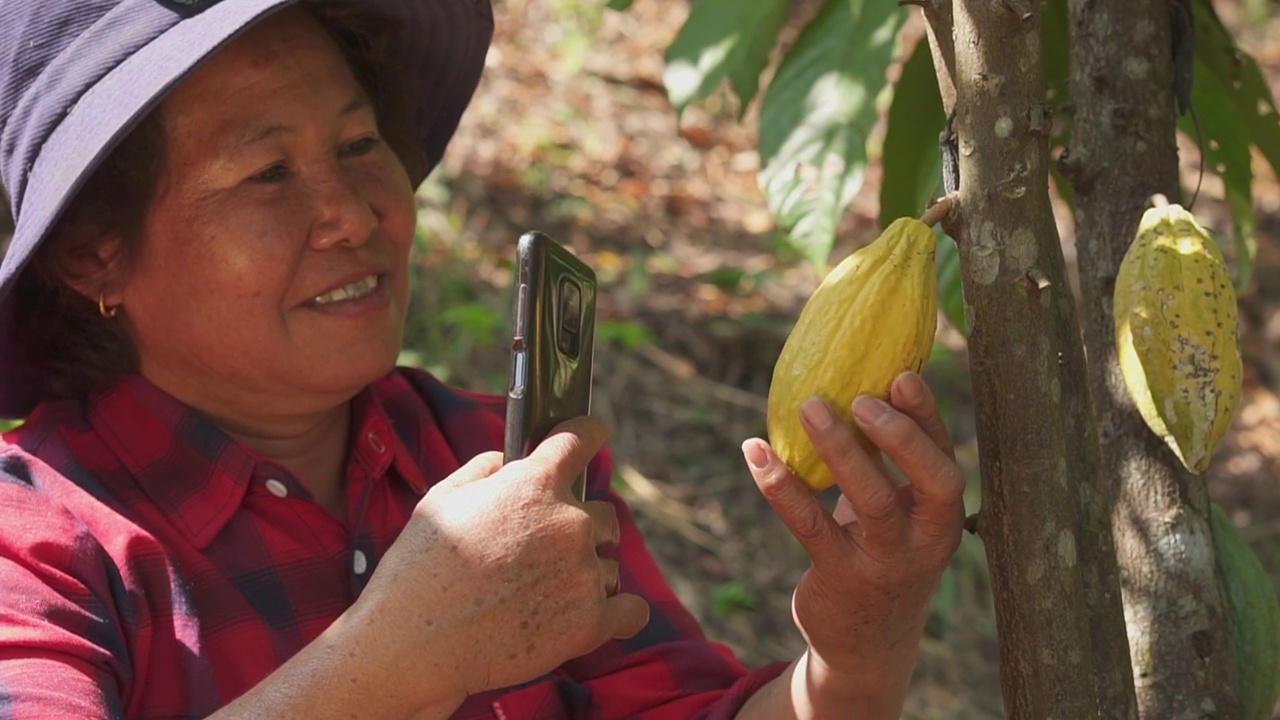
{"x":226,"y":500}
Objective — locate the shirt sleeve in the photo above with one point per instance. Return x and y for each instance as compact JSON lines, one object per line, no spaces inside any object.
{"x":670,"y":669}
{"x":62,"y":653}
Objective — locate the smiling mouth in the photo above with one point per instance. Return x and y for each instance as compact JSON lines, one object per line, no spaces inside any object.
{"x":354,"y":291}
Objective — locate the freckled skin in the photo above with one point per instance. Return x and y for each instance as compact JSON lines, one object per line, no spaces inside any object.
{"x":240,"y":236}
{"x":278,"y":189}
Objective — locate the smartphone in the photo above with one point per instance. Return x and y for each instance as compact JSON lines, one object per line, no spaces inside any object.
{"x":552,"y":344}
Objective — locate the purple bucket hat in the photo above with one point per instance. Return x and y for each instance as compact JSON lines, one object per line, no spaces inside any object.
{"x":77,"y":75}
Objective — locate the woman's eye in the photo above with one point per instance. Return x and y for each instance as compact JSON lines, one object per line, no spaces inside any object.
{"x":273,"y":174}
{"x":362,"y":146}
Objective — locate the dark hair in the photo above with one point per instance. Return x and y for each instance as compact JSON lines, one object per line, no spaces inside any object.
{"x":62,"y":330}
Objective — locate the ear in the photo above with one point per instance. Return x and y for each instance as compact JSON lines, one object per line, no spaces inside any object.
{"x":96,"y":270}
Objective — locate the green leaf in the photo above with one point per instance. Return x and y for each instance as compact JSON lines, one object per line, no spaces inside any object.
{"x":619,"y":4}
{"x":943,"y":604}
{"x":722,"y":38}
{"x":732,"y":596}
{"x":628,"y":334}
{"x":1224,"y":145}
{"x":1244,"y":230}
{"x":1242,"y":84}
{"x":816,"y":116}
{"x":477,"y":321}
{"x":728,"y":279}
{"x":1230,"y":79}
{"x":912,"y":166}
{"x":1057,"y":68}
{"x":950,"y":286}
{"x":1054,"y":44}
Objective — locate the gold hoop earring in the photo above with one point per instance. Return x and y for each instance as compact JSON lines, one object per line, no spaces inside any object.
{"x":103,"y":310}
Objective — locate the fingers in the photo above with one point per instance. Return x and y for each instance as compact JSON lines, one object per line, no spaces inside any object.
{"x":477,"y":468}
{"x":936,"y":481}
{"x":792,"y":500}
{"x":625,"y":615}
{"x":606,"y":533}
{"x":861,"y":479}
{"x":568,"y":448}
{"x":910,"y":394}
{"x":610,"y":577}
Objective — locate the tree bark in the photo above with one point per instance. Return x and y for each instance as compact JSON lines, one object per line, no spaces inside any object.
{"x":1037,"y":442}
{"x":1122,"y":151}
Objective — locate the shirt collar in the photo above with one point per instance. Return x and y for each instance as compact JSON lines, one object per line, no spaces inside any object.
{"x":376,"y":446}
{"x":197,"y":475}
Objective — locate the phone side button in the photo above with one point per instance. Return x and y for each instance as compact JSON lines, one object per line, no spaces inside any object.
{"x":522,"y":302}
{"x":517,"y":376}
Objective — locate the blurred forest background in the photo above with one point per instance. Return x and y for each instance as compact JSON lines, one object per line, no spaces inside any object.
{"x":571,"y":133}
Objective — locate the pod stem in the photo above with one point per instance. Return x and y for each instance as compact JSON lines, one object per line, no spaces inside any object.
{"x":939,"y":209}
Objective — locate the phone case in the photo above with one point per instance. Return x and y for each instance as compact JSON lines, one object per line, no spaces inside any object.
{"x":552,"y":345}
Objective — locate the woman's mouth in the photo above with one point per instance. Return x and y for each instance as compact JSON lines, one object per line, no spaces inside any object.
{"x":353,"y":291}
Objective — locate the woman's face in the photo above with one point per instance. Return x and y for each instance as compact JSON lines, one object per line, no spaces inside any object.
{"x":272,"y":278}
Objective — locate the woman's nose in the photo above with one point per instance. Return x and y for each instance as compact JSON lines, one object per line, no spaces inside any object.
{"x":343,"y":213}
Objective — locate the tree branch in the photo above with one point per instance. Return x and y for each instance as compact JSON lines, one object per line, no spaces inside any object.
{"x":939,"y":210}
{"x":938,"y":19}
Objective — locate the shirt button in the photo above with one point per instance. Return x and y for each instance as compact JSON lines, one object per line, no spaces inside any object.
{"x":277,"y":488}
{"x":359,"y":563}
{"x":375,"y":443}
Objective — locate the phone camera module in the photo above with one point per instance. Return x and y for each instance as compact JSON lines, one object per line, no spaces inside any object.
{"x":568,"y":338}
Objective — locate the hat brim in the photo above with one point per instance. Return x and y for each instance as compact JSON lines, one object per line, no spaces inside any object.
{"x":443,"y":51}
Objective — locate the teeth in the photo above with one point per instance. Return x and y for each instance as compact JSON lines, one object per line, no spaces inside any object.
{"x":349,"y":292}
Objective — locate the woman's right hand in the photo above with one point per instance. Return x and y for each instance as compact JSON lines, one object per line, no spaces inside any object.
{"x":497,"y":579}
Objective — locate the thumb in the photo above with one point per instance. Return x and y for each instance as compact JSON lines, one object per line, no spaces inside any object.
{"x":477,"y":468}
{"x":626,"y":614}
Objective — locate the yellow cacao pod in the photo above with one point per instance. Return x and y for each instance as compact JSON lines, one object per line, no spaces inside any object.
{"x":1254,"y":614}
{"x":871,"y":318}
{"x":1176,"y":336}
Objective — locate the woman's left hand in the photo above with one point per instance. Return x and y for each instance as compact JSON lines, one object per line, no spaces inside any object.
{"x":877,"y":559}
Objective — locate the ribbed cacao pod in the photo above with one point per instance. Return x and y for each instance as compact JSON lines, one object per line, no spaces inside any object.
{"x":1255,"y":619}
{"x":1176,"y":335}
{"x":871,"y":318}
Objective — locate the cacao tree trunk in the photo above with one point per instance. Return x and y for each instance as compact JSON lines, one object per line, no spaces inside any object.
{"x":1122,"y":151}
{"x":1053,"y":569}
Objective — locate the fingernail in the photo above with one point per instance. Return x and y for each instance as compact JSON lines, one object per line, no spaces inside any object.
{"x":816,"y":413}
{"x":868,"y":409}
{"x":755,"y":454}
{"x":911,"y":389}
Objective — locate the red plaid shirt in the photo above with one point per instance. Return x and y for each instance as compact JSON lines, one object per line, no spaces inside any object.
{"x":152,"y":567}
